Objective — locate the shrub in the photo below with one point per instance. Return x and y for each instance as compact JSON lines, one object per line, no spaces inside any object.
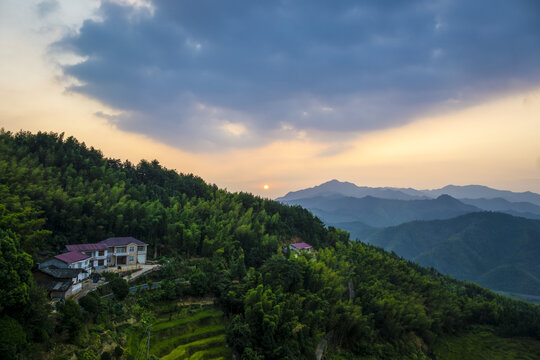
{"x":90,"y":302}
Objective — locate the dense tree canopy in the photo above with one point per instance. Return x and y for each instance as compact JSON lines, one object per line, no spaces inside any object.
{"x":363,"y":301}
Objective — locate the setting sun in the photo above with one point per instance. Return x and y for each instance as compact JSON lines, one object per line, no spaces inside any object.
{"x":265,"y":187}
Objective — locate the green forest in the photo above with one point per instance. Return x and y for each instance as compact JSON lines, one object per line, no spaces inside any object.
{"x":493,"y":249}
{"x":358,"y":300}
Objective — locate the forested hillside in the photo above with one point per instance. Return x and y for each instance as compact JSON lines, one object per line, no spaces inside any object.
{"x":56,"y":191}
{"x":496,"y":250}
{"x":365,"y":302}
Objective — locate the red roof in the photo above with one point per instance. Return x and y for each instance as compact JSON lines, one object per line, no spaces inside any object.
{"x":121,"y":241}
{"x":86,"y":247}
{"x":301,"y":245}
{"x":71,"y":257}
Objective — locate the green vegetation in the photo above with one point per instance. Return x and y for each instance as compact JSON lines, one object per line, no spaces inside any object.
{"x":482,"y":344}
{"x":399,"y":310}
{"x":367,"y":303}
{"x":190,"y":333}
{"x":496,"y":250}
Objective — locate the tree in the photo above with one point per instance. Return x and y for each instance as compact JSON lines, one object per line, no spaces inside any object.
{"x":71,"y":319}
{"x":120,"y":288}
{"x":90,"y":302}
{"x":199,"y":283}
{"x":12,"y":338}
{"x":15,"y":275}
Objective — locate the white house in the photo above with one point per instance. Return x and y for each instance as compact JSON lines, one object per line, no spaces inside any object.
{"x":97,"y":252}
{"x":77,"y":260}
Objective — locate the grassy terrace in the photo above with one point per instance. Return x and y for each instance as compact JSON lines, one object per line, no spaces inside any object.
{"x":195,"y":333}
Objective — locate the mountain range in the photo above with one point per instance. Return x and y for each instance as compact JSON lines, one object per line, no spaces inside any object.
{"x":360,"y":209}
{"x":473,"y":232}
{"x":335,"y":187}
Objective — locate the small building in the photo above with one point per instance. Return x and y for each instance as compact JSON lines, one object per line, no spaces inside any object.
{"x":301,"y":246}
{"x":59,"y":282}
{"x":97,"y":252}
{"x":76,"y":260}
{"x":125,"y":251}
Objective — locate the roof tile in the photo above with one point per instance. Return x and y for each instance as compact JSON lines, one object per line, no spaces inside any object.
{"x":86,"y":247}
{"x":71,"y":257}
{"x":121,"y":241}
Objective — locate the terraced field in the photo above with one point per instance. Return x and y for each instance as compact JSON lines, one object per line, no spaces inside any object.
{"x":195,"y":333}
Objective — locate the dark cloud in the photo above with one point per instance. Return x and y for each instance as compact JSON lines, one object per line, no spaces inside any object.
{"x":183,"y":70}
{"x":46,"y":7}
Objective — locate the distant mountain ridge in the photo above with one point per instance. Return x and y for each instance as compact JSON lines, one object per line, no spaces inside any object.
{"x":525,"y":204}
{"x":484,"y":192}
{"x":334,"y":187}
{"x":496,"y":250}
{"x":378,"y":212}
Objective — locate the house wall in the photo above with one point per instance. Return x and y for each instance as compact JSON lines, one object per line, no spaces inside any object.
{"x":110,"y":258}
{"x":141,"y":255}
{"x":85,"y":264}
{"x":133,"y":256}
{"x":39,"y":276}
{"x":96,"y":258}
{"x":61,"y":294}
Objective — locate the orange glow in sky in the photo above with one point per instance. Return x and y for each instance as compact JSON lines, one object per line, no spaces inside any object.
{"x":494,"y":143}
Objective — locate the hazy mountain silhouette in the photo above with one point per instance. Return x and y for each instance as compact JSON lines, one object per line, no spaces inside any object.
{"x":377,"y":212}
{"x":335,"y":187}
{"x":484,"y":192}
{"x":525,"y":204}
{"x":523,"y":209}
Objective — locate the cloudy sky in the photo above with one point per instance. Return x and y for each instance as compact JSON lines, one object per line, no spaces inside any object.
{"x":286,"y":93}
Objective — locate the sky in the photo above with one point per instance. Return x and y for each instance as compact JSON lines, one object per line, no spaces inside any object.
{"x":286,"y":93}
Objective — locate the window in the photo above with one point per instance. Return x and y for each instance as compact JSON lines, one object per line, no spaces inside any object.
{"x":100,"y":262}
{"x":121,"y":249}
{"x":140,"y":248}
{"x":131,"y":248}
{"x":131,"y":259}
{"x":101,"y":253}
